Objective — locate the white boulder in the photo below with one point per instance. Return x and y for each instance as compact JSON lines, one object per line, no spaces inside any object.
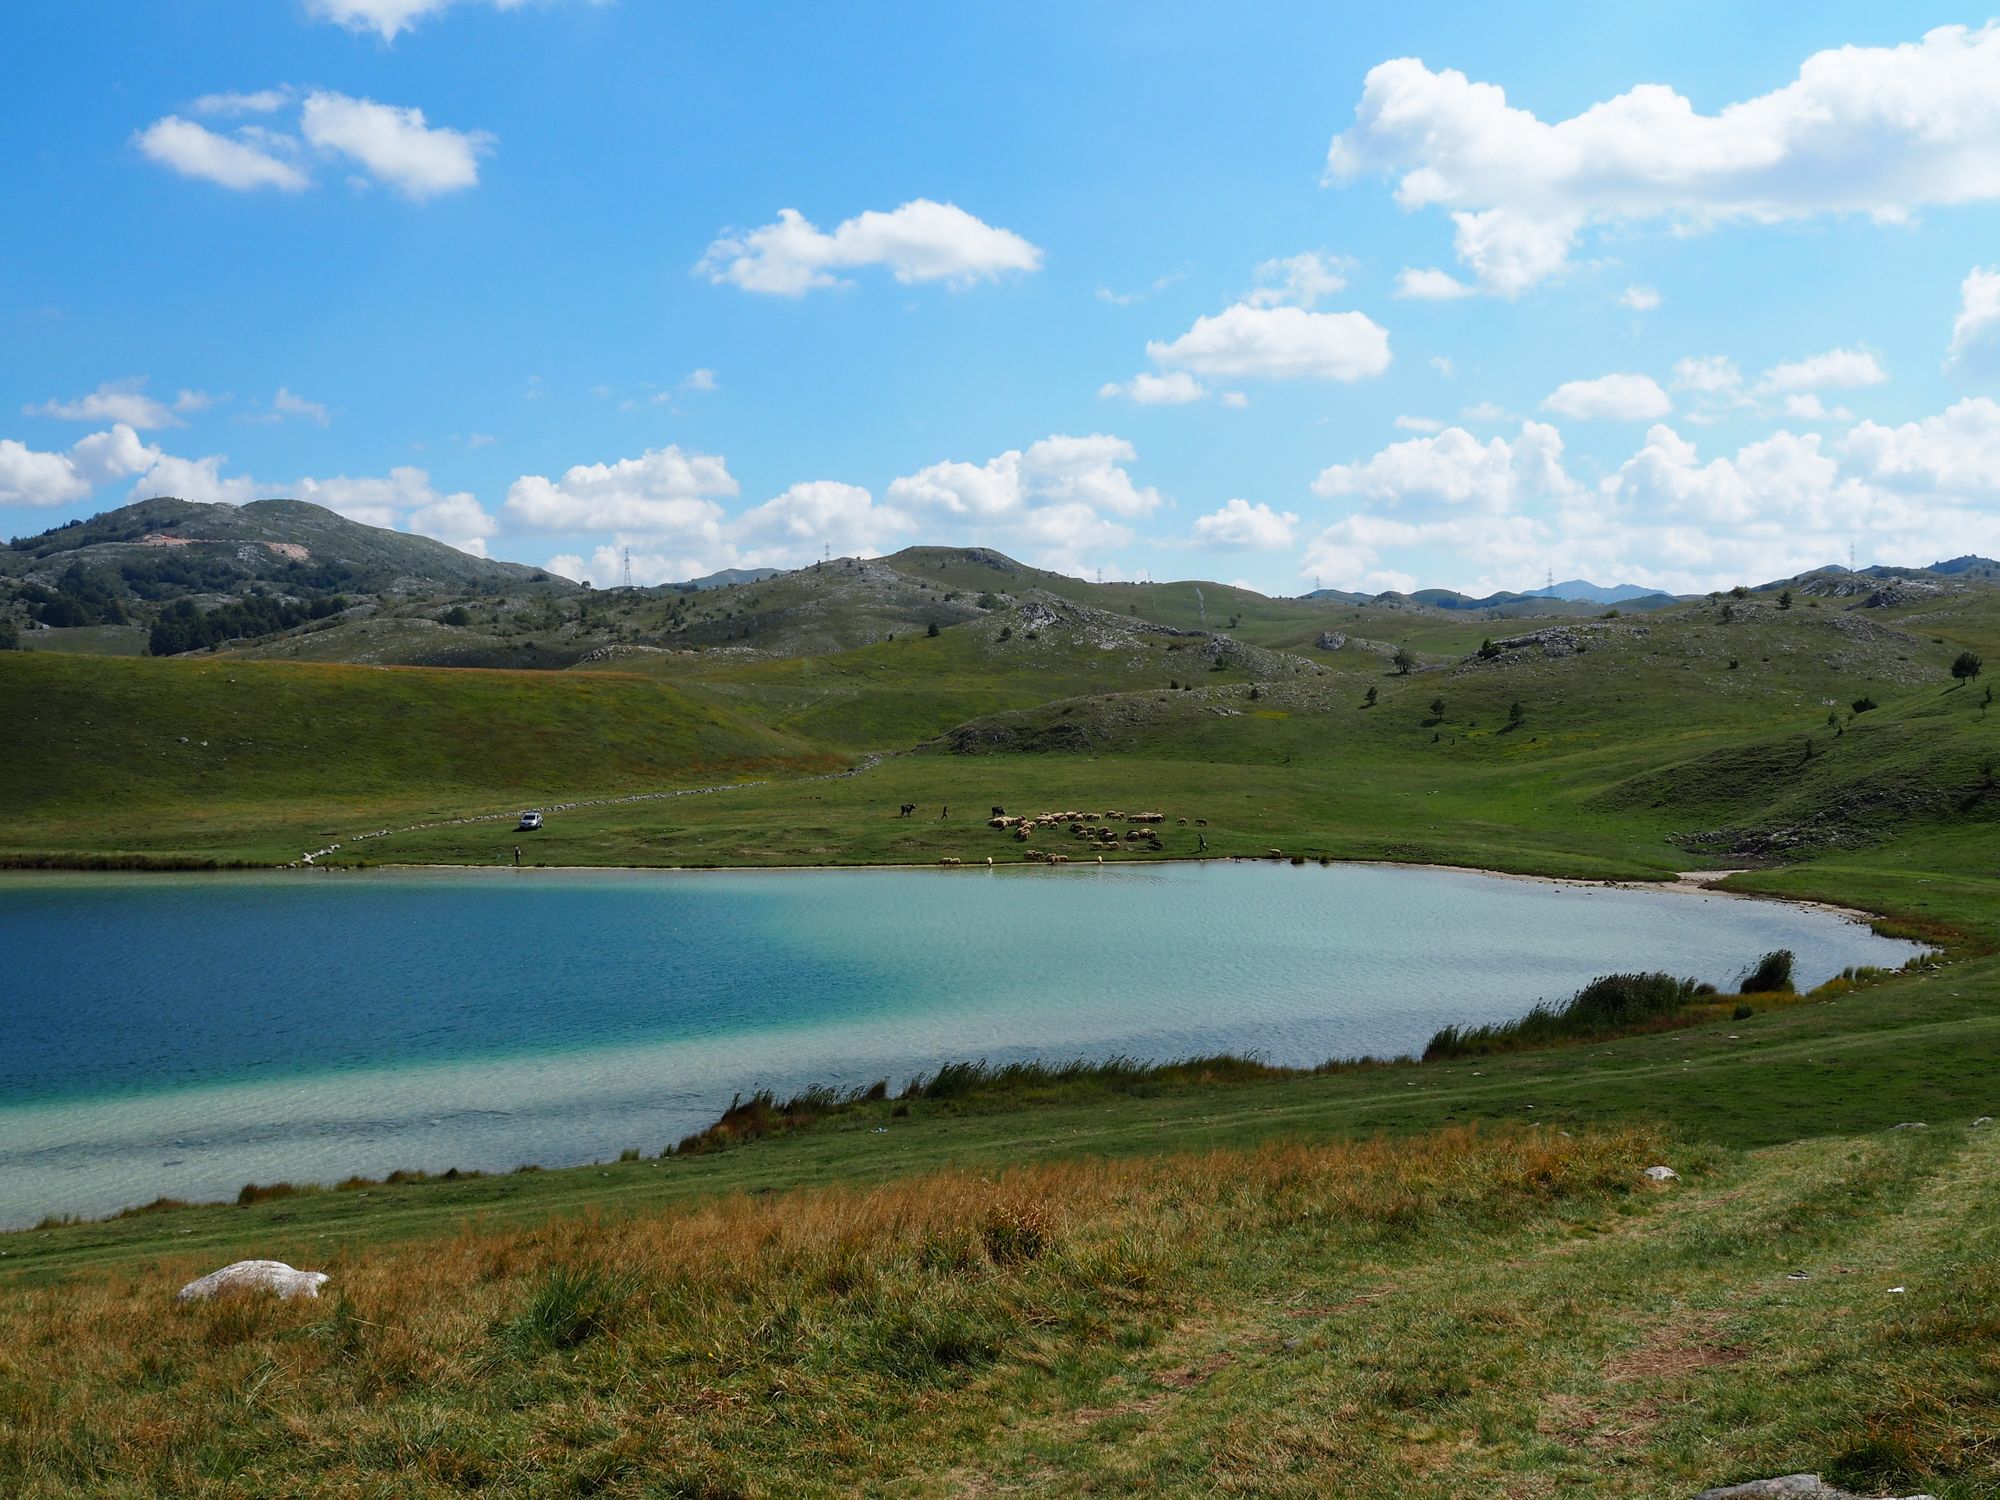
{"x":1662,"y":1174}
{"x":254,"y":1276}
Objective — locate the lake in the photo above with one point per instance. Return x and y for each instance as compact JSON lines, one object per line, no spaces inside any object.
{"x":186,"y":1035}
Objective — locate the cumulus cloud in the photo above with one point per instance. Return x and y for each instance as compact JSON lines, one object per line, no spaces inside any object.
{"x":395,"y":144}
{"x":1880,"y":131}
{"x":1639,"y":298}
{"x":1298,"y":280}
{"x":1059,"y":498}
{"x":1453,"y":470}
{"x":388,"y":19}
{"x":1419,"y":424}
{"x":1240,"y":524}
{"x":1615,"y":398}
{"x":1431,"y":285}
{"x":1669,"y":516}
{"x":663,"y":491}
{"x":119,"y":401}
{"x":793,"y":527}
{"x":244,"y":162}
{"x":1278,"y":343}
{"x":1837,"y":369}
{"x":1975,"y":334}
{"x":40,"y":478}
{"x":921,"y":241}
{"x":1176,"y":388}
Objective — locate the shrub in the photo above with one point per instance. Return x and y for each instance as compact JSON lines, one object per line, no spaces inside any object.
{"x":1967,"y":666}
{"x":1743,"y":1013}
{"x":1864,"y":703}
{"x":1772,"y":974}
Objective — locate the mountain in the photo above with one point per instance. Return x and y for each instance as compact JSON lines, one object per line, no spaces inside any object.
{"x":1583,"y":591}
{"x":160,"y":548}
{"x":726,"y":577}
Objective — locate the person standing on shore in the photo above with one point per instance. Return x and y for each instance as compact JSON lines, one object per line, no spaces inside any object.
{"x":517,"y":856}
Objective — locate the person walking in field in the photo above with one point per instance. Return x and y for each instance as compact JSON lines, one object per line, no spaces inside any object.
{"x":517,"y":856}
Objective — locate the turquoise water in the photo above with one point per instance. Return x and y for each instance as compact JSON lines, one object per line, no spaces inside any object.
{"x":185,"y":1035}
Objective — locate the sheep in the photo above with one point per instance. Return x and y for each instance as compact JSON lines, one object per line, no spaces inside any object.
{"x":951,"y":859}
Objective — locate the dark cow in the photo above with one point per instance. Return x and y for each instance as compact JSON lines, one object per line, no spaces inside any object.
{"x":907,"y":809}
{"x":999,"y":812}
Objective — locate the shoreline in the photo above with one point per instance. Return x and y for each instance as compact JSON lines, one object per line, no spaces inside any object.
{"x":1681,"y":882}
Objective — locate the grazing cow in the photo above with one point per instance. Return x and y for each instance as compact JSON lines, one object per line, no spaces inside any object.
{"x":999,"y":812}
{"x":907,"y":809}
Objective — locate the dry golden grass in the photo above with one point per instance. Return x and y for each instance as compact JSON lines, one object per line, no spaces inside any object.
{"x":824,"y":1340}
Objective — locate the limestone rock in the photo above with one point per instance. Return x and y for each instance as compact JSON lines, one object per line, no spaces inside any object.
{"x":1662,"y":1174}
{"x":254,"y":1276}
{"x":1789,"y":1487}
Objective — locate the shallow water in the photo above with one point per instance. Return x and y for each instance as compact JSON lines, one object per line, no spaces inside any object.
{"x":185,"y":1035}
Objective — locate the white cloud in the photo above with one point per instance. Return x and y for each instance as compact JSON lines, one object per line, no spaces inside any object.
{"x":390,"y":18}
{"x":285,"y":404}
{"x":664,"y":491}
{"x":698,"y":380}
{"x":1805,"y":406}
{"x":1060,"y":499}
{"x":921,"y":241}
{"x":1837,"y":369}
{"x":117,"y":401}
{"x":820,"y":513}
{"x":243,"y":163}
{"x":1954,"y":454}
{"x":1453,"y":469}
{"x":395,"y":144}
{"x":1615,"y":398}
{"x":1639,"y":298}
{"x":1241,"y":524}
{"x":1419,"y":424}
{"x":1486,"y":411}
{"x":1279,"y":343}
{"x":1298,"y":280}
{"x":1236,"y":400}
{"x":1445,"y":366}
{"x":1881,"y":131}
{"x":197,"y":479}
{"x":1975,"y":334}
{"x":32,"y":477}
{"x":1176,"y":388}
{"x":1127,"y":299}
{"x":1712,"y":375}
{"x":1431,"y":285}
{"x":457,"y":520}
{"x":262,"y":102}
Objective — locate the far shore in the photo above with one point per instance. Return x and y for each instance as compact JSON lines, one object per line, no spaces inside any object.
{"x":1684,"y":882}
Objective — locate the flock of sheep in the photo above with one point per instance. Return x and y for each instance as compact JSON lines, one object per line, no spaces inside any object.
{"x":1090,"y":830}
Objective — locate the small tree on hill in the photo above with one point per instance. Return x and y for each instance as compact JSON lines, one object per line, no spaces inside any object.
{"x":1516,"y":715}
{"x":1487,"y":650}
{"x":1966,"y":667}
{"x":1785,"y":599}
{"x":932,"y":632}
{"x":1368,"y":699}
{"x":1405,"y":660}
{"x":1437,"y":709}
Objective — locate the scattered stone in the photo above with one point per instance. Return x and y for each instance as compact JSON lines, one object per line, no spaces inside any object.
{"x":1330,"y":640}
{"x":1662,"y":1174}
{"x":1790,"y":1487}
{"x":1982,"y":1120}
{"x":254,"y":1276}
{"x":1911,"y":1125}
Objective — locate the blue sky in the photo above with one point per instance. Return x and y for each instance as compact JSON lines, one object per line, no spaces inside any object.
{"x":1270,"y":294}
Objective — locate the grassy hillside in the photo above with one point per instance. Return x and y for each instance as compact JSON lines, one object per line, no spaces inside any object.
{"x":240,"y":760}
